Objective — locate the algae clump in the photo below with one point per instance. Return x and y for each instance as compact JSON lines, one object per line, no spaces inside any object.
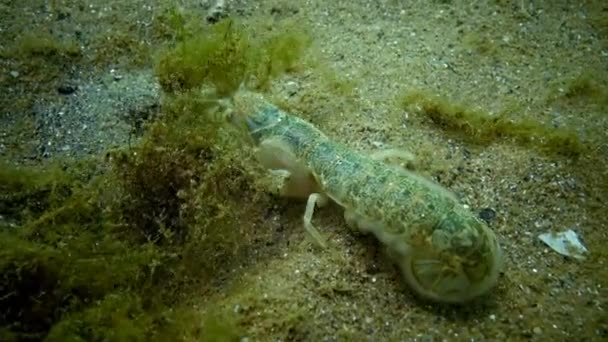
{"x":119,"y":246}
{"x":225,"y":55}
{"x":61,"y":257}
{"x":483,"y":128}
{"x":113,"y":248}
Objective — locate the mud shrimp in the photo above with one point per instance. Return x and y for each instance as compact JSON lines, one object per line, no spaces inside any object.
{"x":444,"y":252}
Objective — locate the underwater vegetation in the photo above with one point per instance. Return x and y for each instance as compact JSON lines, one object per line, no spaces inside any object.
{"x":100,"y":256}
{"x":480,"y":127}
{"x":117,"y":246}
{"x":227,"y":56}
{"x":583,"y":88}
{"x":113,"y":247}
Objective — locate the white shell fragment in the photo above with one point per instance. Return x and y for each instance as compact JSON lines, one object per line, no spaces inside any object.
{"x":565,"y":243}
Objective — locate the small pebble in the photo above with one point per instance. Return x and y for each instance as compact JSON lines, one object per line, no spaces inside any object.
{"x":14,"y":73}
{"x":66,"y":89}
{"x":487,"y":214}
{"x":292,"y":88}
{"x":537,"y":330}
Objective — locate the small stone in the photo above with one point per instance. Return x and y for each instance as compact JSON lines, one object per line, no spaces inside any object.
{"x":66,"y":89}
{"x":487,"y":214}
{"x":378,"y":144}
{"x":537,"y":330}
{"x":292,"y":88}
{"x":217,"y":12}
{"x":115,"y":75}
{"x":14,"y":73}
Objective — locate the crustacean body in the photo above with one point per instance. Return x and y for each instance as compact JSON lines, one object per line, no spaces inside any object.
{"x":444,"y":251}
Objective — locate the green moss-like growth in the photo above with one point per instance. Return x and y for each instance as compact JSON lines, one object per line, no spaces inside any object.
{"x":60,"y":258}
{"x":480,"y":127}
{"x":182,"y":185}
{"x":44,"y":44}
{"x":225,"y":55}
{"x":217,"y":57}
{"x":598,"y":18}
{"x":221,"y":326}
{"x":583,"y":88}
{"x":110,"y":252}
{"x":29,"y":193}
{"x":114,"y":248}
{"x":118,"y":316}
{"x":279,"y":53}
{"x":29,"y":286}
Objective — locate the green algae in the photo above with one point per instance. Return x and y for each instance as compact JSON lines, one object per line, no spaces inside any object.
{"x":225,"y":55}
{"x":583,"y":88}
{"x":47,"y":45}
{"x":97,"y":253}
{"x":115,"y":247}
{"x":482,"y":128}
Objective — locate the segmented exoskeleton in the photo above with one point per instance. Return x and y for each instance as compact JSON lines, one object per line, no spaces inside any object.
{"x":444,"y":252}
